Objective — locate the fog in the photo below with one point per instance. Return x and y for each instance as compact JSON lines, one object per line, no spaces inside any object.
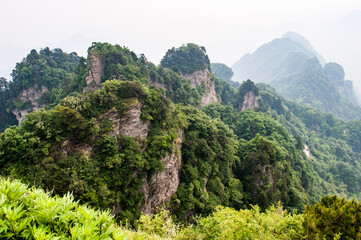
{"x":228,"y":28}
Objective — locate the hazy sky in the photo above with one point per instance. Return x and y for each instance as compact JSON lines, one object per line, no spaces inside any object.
{"x":228,"y":28}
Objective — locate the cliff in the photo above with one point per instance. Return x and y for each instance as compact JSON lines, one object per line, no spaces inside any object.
{"x":202,"y":79}
{"x":247,"y":97}
{"x":96,"y":71}
{"x":164,"y":184}
{"x":29,"y":97}
{"x":250,"y":101}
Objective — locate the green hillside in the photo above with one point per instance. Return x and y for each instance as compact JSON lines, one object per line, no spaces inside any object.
{"x":292,"y":67}
{"x":139,"y":142}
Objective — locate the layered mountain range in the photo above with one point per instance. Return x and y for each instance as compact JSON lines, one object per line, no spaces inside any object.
{"x":292,"y":66}
{"x":123,"y":134}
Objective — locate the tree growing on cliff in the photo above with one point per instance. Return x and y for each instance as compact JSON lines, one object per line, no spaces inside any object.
{"x":186,"y":59}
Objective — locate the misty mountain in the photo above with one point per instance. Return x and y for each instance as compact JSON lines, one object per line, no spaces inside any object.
{"x":268,"y":61}
{"x":295,"y":70}
{"x":301,"y":39}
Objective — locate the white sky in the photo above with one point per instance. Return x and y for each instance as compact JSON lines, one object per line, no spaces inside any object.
{"x":227,"y":28}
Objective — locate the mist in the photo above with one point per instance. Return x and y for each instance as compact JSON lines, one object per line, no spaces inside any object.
{"x":227,"y":29}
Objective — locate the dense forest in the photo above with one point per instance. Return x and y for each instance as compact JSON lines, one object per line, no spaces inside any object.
{"x":142,"y":150}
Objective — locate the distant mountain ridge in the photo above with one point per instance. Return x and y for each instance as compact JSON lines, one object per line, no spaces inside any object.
{"x":292,"y":66}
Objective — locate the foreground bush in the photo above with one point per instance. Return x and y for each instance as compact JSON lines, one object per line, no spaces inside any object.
{"x":30,"y":213}
{"x":333,"y":218}
{"x":227,"y":223}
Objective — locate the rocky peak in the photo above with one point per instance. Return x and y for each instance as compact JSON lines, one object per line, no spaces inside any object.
{"x":250,"y":101}
{"x":93,"y":79}
{"x":203,"y":78}
{"x":247,"y":97}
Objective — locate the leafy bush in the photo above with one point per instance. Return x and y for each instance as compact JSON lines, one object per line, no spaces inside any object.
{"x":186,"y":59}
{"x":227,"y":223}
{"x":30,"y":213}
{"x":331,"y":217}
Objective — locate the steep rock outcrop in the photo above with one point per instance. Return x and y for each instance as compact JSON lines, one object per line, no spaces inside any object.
{"x":93,"y":79}
{"x":250,"y":101}
{"x":202,"y":78}
{"x":163,"y":185}
{"x":68,"y":148}
{"x":31,"y":95}
{"x":130,"y":123}
{"x":307,"y":151}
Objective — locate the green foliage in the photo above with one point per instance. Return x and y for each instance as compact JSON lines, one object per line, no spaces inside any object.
{"x":46,"y":68}
{"x":208,"y":152}
{"x":310,"y":87}
{"x":333,"y":144}
{"x":29,"y":213}
{"x":294,"y":173}
{"x":226,"y":93}
{"x":333,"y":217}
{"x":227,"y":223}
{"x":123,"y":64}
{"x":160,"y":224}
{"x":186,"y":59}
{"x":264,"y":170}
{"x":119,"y":62}
{"x":74,"y":148}
{"x":225,"y":73}
{"x":53,"y":73}
{"x":246,"y":87}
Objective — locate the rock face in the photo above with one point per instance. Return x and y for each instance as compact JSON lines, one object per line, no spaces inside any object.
{"x":68,"y":147}
{"x":164,"y":184}
{"x":202,"y":78}
{"x":130,"y":124}
{"x":161,"y":186}
{"x":31,"y":95}
{"x":307,"y":151}
{"x":250,"y":101}
{"x":95,"y":72}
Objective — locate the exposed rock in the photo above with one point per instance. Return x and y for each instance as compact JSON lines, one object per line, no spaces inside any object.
{"x":31,"y":95}
{"x":93,"y":79}
{"x":202,"y":78}
{"x":307,"y":151}
{"x":250,"y":101}
{"x":129,"y":124}
{"x":163,"y":185}
{"x":197,"y":78}
{"x":68,"y":148}
{"x":267,"y":178}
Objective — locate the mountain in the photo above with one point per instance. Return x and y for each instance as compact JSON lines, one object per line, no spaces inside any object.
{"x":292,"y":66}
{"x":134,"y":137}
{"x":301,"y":39}
{"x":224,"y":72}
{"x":267,"y":62}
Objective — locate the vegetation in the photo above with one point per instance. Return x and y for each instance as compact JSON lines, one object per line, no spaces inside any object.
{"x":242,"y":172}
{"x":333,"y":217}
{"x":223,"y":72}
{"x":49,"y":148}
{"x":186,"y":59}
{"x":30,"y":213}
{"x":293,"y":68}
{"x":52,"y":72}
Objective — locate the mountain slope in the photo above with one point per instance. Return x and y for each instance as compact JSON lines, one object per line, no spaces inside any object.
{"x":133,"y":144}
{"x":295,"y":71}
